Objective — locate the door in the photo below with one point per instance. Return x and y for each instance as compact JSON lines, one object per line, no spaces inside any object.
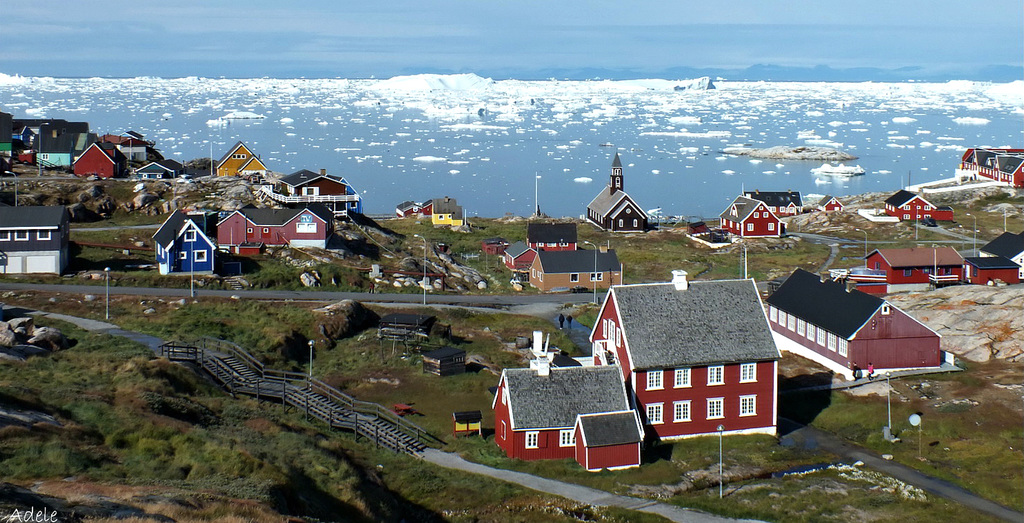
{"x":36,"y":264}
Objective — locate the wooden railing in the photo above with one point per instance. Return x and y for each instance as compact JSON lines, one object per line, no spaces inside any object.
{"x":339,"y":410}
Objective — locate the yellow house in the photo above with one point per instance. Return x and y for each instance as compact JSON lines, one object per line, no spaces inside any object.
{"x":446,"y":212}
{"x":240,"y":161}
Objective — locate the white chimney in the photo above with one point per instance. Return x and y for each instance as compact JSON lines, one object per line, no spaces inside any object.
{"x":543,"y":367}
{"x":538,"y":344}
{"x":679,"y":280}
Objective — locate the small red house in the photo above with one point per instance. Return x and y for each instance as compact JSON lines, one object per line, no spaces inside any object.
{"x":519,"y":257}
{"x":251,"y":227}
{"x":906,"y":205}
{"x":695,"y":355}
{"x":747,"y":217}
{"x":985,"y":270}
{"x":1001,"y":165}
{"x":102,"y":160}
{"x":411,"y":208}
{"x":914,"y":268}
{"x":551,"y":236}
{"x":537,"y":415}
{"x":846,"y":331}
{"x":830,"y":204}
{"x":494,"y":246}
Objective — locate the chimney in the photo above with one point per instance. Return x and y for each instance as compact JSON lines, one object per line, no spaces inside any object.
{"x":679,"y":280}
{"x":538,"y":344}
{"x":323,"y":172}
{"x":543,"y":367}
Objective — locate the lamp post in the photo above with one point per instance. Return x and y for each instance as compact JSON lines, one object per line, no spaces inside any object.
{"x":888,"y":402}
{"x":311,"y":343}
{"x":106,"y":277}
{"x":424,"y":282}
{"x":593,"y":277}
{"x":536,"y":192}
{"x":721,"y":429}
{"x":865,"y":246}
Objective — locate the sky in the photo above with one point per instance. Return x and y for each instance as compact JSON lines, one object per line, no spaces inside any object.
{"x":528,"y":39}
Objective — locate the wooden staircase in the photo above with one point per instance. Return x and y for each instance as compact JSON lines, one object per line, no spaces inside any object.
{"x":240,"y":373}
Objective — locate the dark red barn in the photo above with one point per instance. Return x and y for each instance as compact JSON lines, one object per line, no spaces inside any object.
{"x":914,"y":268}
{"x":103,"y":160}
{"x":986,"y":270}
{"x":906,"y":206}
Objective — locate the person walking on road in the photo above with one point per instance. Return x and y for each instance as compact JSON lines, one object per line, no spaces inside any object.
{"x":561,"y":321}
{"x":568,"y":320}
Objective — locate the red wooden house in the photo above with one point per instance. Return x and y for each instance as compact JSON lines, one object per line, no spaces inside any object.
{"x":830,"y":203}
{"x":542,"y":412}
{"x":551,"y":236}
{"x":846,"y":331}
{"x":494,"y":246}
{"x":906,"y":205}
{"x":695,"y":355}
{"x":782,"y":203}
{"x":304,"y":187}
{"x":102,"y":160}
{"x":1008,"y":245}
{"x":411,"y":208}
{"x":519,"y":257}
{"x":1001,"y":165}
{"x":986,"y":270}
{"x":249,"y":228}
{"x":914,"y":268}
{"x":747,"y":217}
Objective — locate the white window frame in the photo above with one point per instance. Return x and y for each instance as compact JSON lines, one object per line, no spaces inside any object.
{"x":248,"y":230}
{"x":748,"y":405}
{"x":190,"y":235}
{"x":831,"y":342}
{"x":750,"y":227}
{"x":773,"y":313}
{"x":810,"y":331}
{"x":655,"y":380}
{"x":822,"y":333}
{"x":843,"y":348}
{"x":800,"y":326}
{"x":716,"y":408}
{"x":574,"y":277}
{"x":533,"y":439}
{"x":199,"y":255}
{"x":791,"y":323}
{"x":716,"y":375}
{"x":783,"y":316}
{"x":21,"y":236}
{"x":567,"y":438}
{"x":771,"y":226}
{"x":599,"y":276}
{"x":655,"y":413}
{"x":681,"y":411}
{"x":504,"y":430}
{"x":43,"y":235}
{"x":183,"y":255}
{"x":748,"y":372}
{"x":266,"y":230}
{"x":682,"y":379}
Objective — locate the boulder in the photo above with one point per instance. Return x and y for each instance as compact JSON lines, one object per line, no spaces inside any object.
{"x":22,"y":325}
{"x":143,"y":199}
{"x":346,"y":318}
{"x":309,"y":279}
{"x":48,"y":338}
{"x":7,"y":336}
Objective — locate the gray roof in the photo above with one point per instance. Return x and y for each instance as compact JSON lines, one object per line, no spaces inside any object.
{"x":305,"y":176}
{"x":776,"y":198}
{"x":827,"y":198}
{"x":618,"y":428}
{"x":566,"y":392}
{"x":711,"y":322}
{"x":171,"y":227}
{"x":1008,"y":244}
{"x":559,"y":262}
{"x":282,"y":216}
{"x":744,"y":206}
{"x":39,"y":217}
{"x":551,"y":232}
{"x":826,"y":304}
{"x":446,"y":205}
{"x":517,"y":249}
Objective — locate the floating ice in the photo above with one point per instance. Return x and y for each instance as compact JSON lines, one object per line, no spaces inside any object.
{"x":970,"y":120}
{"x":583,"y":179}
{"x":903,"y":119}
{"x":429,"y":159}
{"x":242,"y":115}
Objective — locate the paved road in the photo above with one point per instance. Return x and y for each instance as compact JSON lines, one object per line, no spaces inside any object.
{"x":412,"y":299}
{"x":84,"y":228}
{"x":586,"y":495}
{"x":811,"y":437}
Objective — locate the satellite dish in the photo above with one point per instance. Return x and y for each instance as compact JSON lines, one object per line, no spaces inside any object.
{"x":915,"y":419}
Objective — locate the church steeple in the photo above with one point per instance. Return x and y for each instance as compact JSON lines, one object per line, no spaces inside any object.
{"x":616,"y":180}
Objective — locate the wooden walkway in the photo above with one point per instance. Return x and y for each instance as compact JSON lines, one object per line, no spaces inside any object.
{"x":239,"y":372}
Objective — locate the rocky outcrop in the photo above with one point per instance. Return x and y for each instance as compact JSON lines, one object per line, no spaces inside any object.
{"x":345,"y":318}
{"x":782,"y":152}
{"x":20,"y":339}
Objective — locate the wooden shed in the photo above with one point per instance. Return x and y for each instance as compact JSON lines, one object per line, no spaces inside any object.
{"x":446,"y":361}
{"x":467,"y":422}
{"x":400,"y":326}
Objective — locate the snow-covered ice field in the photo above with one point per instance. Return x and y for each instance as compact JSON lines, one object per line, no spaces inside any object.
{"x":482,"y":141}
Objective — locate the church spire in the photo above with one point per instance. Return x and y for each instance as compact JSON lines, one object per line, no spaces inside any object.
{"x":616,"y":180}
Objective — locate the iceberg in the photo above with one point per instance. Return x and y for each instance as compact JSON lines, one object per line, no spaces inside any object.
{"x":842,"y":169}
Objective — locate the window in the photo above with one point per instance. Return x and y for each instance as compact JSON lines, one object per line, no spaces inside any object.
{"x":249,"y":230}
{"x":199,"y":256}
{"x":532,"y":438}
{"x":654,"y":380}
{"x":716,"y":408}
{"x":5,"y":235}
{"x":574,"y":277}
{"x":21,"y":236}
{"x":906,"y":216}
{"x":566,"y":438}
{"x":756,"y":214}
{"x":748,"y":372}
{"x":842,"y":347}
{"x":681,"y":411}
{"x":748,"y":405}
{"x":810,"y":332}
{"x":563,"y":244}
{"x":182,"y":255}
{"x":598,"y":276}
{"x":908,"y":272}
{"x":905,"y":207}
{"x":885,"y":306}
{"x":771,"y":226}
{"x":682,"y":378}
{"x":773,"y":313}
{"x":716,"y":375}
{"x":750,"y":227}
{"x":800,"y":326}
{"x":190,"y":236}
{"x":821,"y":337}
{"x":635,"y":223}
{"x":306,"y":227}
{"x":831,"y":342}
{"x":782,"y":318}
{"x":654,"y":413}
{"x":791,"y":323}
{"x":42,"y":235}
{"x":620,"y":222}
{"x":266,"y":230}
{"x":504,"y":430}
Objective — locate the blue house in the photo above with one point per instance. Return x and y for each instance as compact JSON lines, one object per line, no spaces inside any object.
{"x":182,"y":246}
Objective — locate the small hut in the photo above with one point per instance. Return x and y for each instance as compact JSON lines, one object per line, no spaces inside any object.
{"x":446,"y":361}
{"x":467,"y":422}
{"x":404,"y":327}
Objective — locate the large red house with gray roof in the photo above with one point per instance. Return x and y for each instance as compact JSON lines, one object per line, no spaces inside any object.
{"x":750,"y":218}
{"x":695,"y":356}
{"x":906,"y":206}
{"x":249,"y":228}
{"x":909,"y":269}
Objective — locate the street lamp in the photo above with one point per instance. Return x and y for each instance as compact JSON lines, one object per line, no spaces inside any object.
{"x":888,"y":401}
{"x":721,"y":429}
{"x":865,"y":246}
{"x":311,"y":343}
{"x":424,"y":282}
{"x":106,"y":276}
{"x":593,"y":277}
